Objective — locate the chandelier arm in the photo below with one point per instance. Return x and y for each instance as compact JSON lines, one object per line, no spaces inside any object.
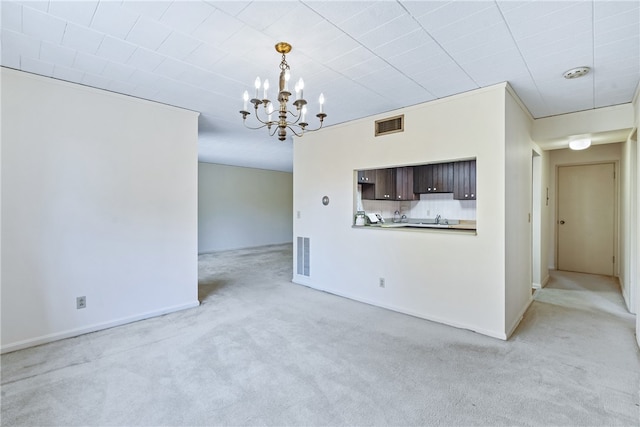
{"x":321,"y":117}
{"x":259,"y":127}
{"x":266,"y":123}
{"x":294,"y":132}
{"x":295,"y":116}
{"x":313,"y":130}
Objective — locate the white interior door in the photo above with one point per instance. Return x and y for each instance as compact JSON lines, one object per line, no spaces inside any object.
{"x":586,"y":206}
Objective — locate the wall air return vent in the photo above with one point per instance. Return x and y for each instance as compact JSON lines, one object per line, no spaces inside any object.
{"x":390,"y":125}
{"x":303,"y":256}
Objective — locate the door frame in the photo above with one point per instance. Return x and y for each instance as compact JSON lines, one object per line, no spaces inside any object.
{"x":536,"y":220}
{"x":616,"y":210}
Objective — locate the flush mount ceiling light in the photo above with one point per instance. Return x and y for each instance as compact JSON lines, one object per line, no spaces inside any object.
{"x":297,"y":124}
{"x":581,"y":143}
{"x":574,"y":73}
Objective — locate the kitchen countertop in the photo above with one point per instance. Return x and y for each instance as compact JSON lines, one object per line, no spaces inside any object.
{"x":415,"y":224}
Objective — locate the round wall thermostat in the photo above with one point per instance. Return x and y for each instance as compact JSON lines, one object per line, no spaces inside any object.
{"x":325,"y":200}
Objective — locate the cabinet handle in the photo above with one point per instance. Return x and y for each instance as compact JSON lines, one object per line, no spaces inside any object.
{"x":434,"y":188}
{"x":473,"y":195}
{"x":429,"y":188}
{"x":466,"y":195}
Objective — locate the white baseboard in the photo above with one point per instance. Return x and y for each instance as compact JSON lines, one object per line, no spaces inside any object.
{"x":519,"y":317}
{"x":448,"y":322}
{"x":545,"y":281}
{"x":31,"y":342}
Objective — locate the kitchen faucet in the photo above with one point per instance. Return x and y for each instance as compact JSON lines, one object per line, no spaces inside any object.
{"x":438,"y":219}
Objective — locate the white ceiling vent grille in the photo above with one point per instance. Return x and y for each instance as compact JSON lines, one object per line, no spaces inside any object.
{"x":390,"y":125}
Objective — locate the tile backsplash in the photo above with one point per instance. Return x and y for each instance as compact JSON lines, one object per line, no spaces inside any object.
{"x":428,"y":206}
{"x":443,"y":204}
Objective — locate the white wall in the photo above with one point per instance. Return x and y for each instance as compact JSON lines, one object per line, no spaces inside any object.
{"x":536,"y":223}
{"x":594,"y":154}
{"x":634,"y":258}
{"x":243,"y":207}
{"x":99,"y":200}
{"x":628,"y":232}
{"x":546,"y":217}
{"x":518,"y":210}
{"x":452,"y":278}
{"x":602,"y":124}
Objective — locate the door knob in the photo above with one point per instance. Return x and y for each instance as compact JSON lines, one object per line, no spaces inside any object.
{"x":562,"y":222}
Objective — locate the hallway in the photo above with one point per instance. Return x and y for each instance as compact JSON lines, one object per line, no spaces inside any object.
{"x":580,"y":322}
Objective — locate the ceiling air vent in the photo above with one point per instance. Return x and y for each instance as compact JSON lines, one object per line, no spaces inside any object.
{"x":390,"y":125}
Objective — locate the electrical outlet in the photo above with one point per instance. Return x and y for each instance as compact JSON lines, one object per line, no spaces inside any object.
{"x":81,"y":302}
{"x":381,"y":283}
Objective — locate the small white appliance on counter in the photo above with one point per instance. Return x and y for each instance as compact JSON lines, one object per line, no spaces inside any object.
{"x":374,"y":218}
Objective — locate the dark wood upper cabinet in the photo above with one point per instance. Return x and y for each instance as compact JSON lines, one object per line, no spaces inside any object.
{"x":465,"y":180}
{"x":367,"y":176}
{"x":443,"y":178}
{"x":408,"y":182}
{"x":385,"y":187}
{"x":404,"y":184}
{"x":433,"y":178}
{"x":420,"y":179}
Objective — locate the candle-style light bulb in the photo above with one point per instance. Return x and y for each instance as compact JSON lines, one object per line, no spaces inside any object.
{"x":245,"y":98}
{"x":270,"y":111}
{"x":301,"y":86}
{"x":287,"y":76}
{"x":297,"y":89}
{"x":304,"y":113}
{"x":321,"y":101}
{"x":257,"y":83}
{"x":266,"y":88}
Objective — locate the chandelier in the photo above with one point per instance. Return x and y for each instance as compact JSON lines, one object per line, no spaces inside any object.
{"x":297,"y":123}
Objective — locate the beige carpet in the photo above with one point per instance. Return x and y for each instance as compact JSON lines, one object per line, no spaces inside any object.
{"x":263,"y":351}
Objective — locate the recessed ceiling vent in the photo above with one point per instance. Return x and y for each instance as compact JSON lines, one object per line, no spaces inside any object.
{"x":390,"y":125}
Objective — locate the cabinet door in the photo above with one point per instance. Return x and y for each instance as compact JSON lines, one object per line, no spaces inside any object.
{"x":443,"y":181}
{"x":385,"y":188}
{"x":367,"y":177}
{"x":438,"y":179}
{"x":424,"y":178}
{"x":421,"y":179}
{"x":434,"y":178}
{"x":404,"y":183}
{"x":472,"y":179}
{"x":465,"y":180}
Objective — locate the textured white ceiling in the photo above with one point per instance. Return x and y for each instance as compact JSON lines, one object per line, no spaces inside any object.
{"x":366,"y":57}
